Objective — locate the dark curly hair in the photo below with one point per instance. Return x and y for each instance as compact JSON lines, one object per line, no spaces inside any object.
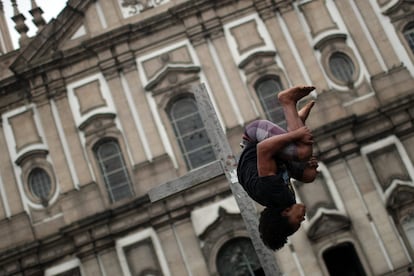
{"x":274,"y":228}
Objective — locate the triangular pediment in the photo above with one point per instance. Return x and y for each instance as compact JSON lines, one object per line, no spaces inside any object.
{"x":85,"y":28}
{"x":327,"y":224}
{"x":49,"y":43}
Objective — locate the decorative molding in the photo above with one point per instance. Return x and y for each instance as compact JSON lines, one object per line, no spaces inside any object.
{"x":42,"y":153}
{"x":328,"y":224}
{"x":170,"y":73}
{"x":257,"y":57}
{"x":327,"y":37}
{"x":63,"y":267}
{"x":401,"y":195}
{"x":136,"y":237}
{"x":134,"y":7}
{"x":203,"y":218}
{"x":105,"y":94}
{"x":385,"y":194}
{"x":96,"y":121}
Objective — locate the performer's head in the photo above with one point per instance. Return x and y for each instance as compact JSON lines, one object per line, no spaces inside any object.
{"x":276,"y":225}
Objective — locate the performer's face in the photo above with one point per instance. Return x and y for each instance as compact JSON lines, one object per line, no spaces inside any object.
{"x":295,"y":215}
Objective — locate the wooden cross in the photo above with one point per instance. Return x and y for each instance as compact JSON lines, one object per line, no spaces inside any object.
{"x":226,"y":164}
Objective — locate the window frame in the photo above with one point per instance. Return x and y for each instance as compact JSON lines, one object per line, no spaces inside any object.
{"x":409,"y":217}
{"x":262,"y":99}
{"x":408,"y":33}
{"x":340,"y":75}
{"x":64,"y":267}
{"x":123,"y":168}
{"x":33,"y":160}
{"x":121,"y":243}
{"x":185,"y":153}
{"x":336,"y":246}
{"x":378,"y":145}
{"x":31,"y":188}
{"x":337,"y":43}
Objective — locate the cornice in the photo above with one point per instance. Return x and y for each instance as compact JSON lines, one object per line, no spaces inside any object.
{"x":328,"y":224}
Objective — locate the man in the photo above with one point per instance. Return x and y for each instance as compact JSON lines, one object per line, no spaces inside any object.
{"x":270,"y":157}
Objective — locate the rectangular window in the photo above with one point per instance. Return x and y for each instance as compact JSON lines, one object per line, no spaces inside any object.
{"x":69,"y":268}
{"x":389,"y":165}
{"x":141,"y":254}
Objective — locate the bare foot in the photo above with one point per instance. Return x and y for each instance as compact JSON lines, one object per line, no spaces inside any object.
{"x":294,"y":94}
{"x":305,"y":110}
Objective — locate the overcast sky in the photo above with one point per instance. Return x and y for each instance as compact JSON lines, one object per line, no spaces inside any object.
{"x":51,"y":8}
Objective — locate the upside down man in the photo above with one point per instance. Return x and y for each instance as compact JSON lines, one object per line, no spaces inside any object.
{"x":270,"y":157}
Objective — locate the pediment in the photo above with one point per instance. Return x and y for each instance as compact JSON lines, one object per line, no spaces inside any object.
{"x":50,"y":41}
{"x":397,"y":9}
{"x":328,"y":224}
{"x":223,"y":221}
{"x":206,"y":217}
{"x":257,"y":59}
{"x":172,"y":76}
{"x":85,"y":27}
{"x":97,"y":122}
{"x":401,"y":195}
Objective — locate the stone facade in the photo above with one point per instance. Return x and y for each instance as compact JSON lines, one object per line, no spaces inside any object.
{"x":97,"y":106}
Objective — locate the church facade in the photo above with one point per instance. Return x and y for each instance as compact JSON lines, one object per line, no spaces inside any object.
{"x":97,"y":112}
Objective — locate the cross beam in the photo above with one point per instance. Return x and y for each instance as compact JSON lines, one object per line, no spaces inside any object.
{"x":226,"y":164}
{"x":191,"y":179}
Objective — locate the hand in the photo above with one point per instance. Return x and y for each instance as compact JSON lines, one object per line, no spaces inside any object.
{"x":305,"y":135}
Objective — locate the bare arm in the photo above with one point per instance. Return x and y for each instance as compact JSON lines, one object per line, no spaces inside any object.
{"x":268,"y":148}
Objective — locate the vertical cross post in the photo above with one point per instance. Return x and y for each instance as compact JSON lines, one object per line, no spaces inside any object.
{"x":228,"y":161}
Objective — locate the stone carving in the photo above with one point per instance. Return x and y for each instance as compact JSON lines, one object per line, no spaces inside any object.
{"x":137,"y":6}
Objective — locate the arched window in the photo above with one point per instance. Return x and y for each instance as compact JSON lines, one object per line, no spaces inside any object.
{"x":191,"y":133}
{"x":342,"y":260}
{"x":113,"y":169}
{"x":267,"y":90}
{"x":409,"y":35}
{"x":40,"y":184}
{"x":238,"y":257}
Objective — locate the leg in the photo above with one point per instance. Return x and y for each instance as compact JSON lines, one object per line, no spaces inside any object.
{"x":288,"y":99}
{"x":305,"y":110}
{"x":260,"y":130}
{"x":273,"y":146}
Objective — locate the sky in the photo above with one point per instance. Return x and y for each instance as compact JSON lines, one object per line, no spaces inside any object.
{"x":51,"y":8}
